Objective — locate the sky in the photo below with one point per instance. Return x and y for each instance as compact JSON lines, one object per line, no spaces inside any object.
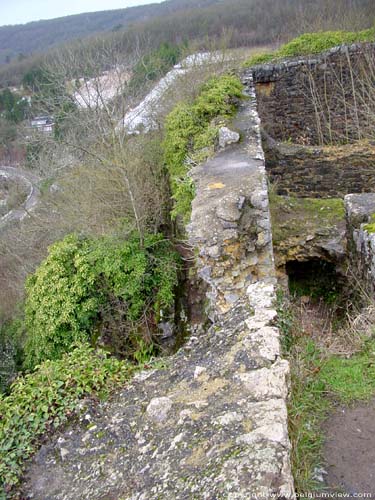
{"x":24,"y":11}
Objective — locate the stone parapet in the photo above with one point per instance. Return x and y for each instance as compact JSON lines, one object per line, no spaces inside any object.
{"x":211,"y":423}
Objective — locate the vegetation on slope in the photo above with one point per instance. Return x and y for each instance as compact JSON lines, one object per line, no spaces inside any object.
{"x":13,"y":107}
{"x":20,"y":40}
{"x":154,"y":64}
{"x":191,"y":131}
{"x":314,"y":43}
{"x":85,"y":283}
{"x":43,"y":400}
{"x":243,"y":22}
{"x":319,"y":380}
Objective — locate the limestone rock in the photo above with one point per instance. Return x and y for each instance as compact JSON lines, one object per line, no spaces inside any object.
{"x":227,"y":136}
{"x":159,"y":408}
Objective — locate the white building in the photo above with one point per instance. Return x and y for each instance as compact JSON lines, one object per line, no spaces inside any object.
{"x":44,"y":124}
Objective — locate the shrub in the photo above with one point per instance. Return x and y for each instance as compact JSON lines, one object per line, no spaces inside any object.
{"x":314,"y":43}
{"x":12,"y":106}
{"x":190,"y":135}
{"x":85,"y":280}
{"x":46,"y":398}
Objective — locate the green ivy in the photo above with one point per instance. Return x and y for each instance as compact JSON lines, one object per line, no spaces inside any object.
{"x":79,"y":278}
{"x":190,"y":135}
{"x":44,"y":400}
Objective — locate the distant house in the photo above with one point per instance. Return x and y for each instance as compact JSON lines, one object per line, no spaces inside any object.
{"x":44,"y":124}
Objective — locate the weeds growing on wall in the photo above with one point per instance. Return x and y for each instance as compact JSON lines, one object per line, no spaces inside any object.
{"x":42,"y":401}
{"x":314,"y":43}
{"x":319,"y":380}
{"x":190,"y":134}
{"x":370,"y":226}
{"x":85,"y":282}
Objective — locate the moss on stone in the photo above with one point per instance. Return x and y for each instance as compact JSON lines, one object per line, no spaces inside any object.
{"x":190,"y":135}
{"x":370,"y":227}
{"x":301,"y":216}
{"x":313,"y":43}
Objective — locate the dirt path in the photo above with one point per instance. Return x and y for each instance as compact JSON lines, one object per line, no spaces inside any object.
{"x":349,"y":432}
{"x":349,"y":451}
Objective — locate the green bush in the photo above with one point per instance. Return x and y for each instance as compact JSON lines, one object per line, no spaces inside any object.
{"x":314,"y":43}
{"x":190,"y":135}
{"x":83,"y":281}
{"x":13,"y":107}
{"x":44,"y":400}
{"x":260,"y":59}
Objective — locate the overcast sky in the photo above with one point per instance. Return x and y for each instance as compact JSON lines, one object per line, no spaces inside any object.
{"x":23,"y":11}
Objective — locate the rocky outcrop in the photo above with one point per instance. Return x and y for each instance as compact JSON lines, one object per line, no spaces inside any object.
{"x":212,"y":422}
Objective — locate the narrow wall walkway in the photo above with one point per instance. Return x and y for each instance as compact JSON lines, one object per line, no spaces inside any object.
{"x":211,"y":424}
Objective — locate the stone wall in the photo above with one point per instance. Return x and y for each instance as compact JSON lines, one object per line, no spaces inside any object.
{"x":311,"y":100}
{"x":361,"y":248}
{"x":211,"y":423}
{"x":321,"y":172}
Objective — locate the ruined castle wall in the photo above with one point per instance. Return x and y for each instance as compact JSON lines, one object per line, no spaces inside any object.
{"x":211,"y":423}
{"x":361,"y":243}
{"x":321,"y":172}
{"x":311,"y":100}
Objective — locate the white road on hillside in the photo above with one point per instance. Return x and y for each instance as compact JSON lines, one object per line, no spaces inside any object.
{"x":31,"y":201}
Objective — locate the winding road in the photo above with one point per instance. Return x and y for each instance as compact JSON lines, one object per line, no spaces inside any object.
{"x":31,"y":181}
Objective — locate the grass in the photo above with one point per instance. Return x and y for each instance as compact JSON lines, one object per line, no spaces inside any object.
{"x":313,"y":43}
{"x":353,"y":379}
{"x":319,"y":381}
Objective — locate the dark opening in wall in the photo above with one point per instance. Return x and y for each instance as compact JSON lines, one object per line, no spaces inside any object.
{"x":315,"y":278}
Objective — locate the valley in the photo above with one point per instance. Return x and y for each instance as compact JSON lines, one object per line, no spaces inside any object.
{"x":187,"y":277}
